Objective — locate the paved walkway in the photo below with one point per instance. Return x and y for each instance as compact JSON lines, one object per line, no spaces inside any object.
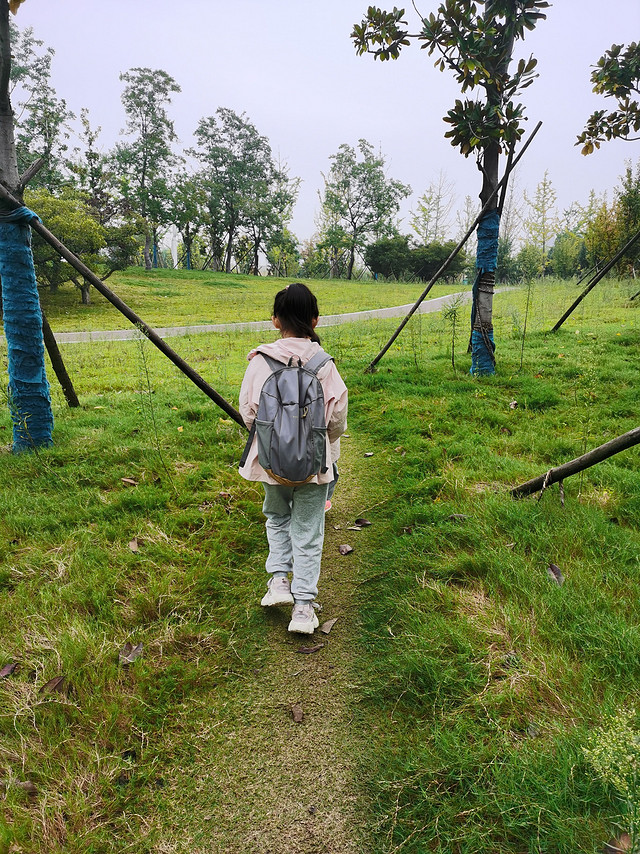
{"x":427,"y":307}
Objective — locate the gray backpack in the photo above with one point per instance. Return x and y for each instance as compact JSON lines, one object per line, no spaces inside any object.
{"x":290,"y":422}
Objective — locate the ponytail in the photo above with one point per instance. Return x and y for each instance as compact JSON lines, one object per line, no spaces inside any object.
{"x":296,"y":308}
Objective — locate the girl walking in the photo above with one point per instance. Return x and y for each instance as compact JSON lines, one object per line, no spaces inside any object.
{"x":294,"y":514}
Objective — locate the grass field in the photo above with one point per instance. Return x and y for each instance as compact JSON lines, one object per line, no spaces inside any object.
{"x":476,"y":679}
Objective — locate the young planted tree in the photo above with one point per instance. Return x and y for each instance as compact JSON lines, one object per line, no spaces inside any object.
{"x":359,"y":200}
{"x":541,"y":222}
{"x":145,"y":159}
{"x":475,"y":41}
{"x":28,"y":392}
{"x":430,"y":220}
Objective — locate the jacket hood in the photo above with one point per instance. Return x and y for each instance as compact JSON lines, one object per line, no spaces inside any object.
{"x":284,"y":348}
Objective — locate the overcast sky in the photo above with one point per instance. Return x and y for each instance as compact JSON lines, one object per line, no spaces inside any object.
{"x":291,"y":66}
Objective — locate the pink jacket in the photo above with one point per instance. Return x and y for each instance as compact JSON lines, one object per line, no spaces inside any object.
{"x":335,"y":400}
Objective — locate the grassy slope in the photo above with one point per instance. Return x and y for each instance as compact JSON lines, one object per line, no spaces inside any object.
{"x":179,"y":297}
{"x":477,"y":676}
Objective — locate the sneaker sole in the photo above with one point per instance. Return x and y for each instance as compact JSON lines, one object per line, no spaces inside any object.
{"x":305,"y":628}
{"x":269,"y":601}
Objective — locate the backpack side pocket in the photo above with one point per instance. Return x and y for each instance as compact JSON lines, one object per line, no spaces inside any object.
{"x":264,"y":432}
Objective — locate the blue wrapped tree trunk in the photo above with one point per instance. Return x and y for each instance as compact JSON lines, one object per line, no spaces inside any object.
{"x":482,"y":343}
{"x":28,"y":391}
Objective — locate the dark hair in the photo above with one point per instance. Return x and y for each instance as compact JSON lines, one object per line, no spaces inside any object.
{"x":296,"y":308}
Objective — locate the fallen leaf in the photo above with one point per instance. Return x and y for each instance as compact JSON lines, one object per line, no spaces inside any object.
{"x":57,"y":684}
{"x":364,"y":523}
{"x":513,"y":404}
{"x":346,"y":436}
{"x":175,"y":408}
{"x":555,"y":573}
{"x":325,"y":628}
{"x":369,"y":454}
{"x":8,"y":669}
{"x":345,"y":549}
{"x":26,"y":786}
{"x":353,"y":528}
{"x":224,"y":495}
{"x":506,"y":431}
{"x":621,"y":844}
{"x":129,"y":653}
{"x":129,"y":481}
{"x":510,"y":545}
{"x":180,"y":429}
{"x":307,"y":650}
{"x":457,"y":517}
{"x":133,"y":544}
{"x":297,"y":714}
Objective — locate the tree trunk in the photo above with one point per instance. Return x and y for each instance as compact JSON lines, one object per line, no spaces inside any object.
{"x":352,"y":261}
{"x":147,"y":251}
{"x":29,"y":397}
{"x":228,"y":252}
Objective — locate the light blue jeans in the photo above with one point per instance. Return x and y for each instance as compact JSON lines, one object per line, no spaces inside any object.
{"x":295,"y":533}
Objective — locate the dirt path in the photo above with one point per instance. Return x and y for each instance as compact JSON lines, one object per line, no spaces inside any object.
{"x":260,"y":782}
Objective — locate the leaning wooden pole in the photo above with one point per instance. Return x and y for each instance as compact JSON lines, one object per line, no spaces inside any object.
{"x":371,"y":367}
{"x":596,"y":279}
{"x":603,"y":452}
{"x":122,"y":307}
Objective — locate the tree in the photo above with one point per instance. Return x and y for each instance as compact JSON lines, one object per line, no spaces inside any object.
{"x":71,"y":220}
{"x":98,"y":185}
{"x":359,"y":198}
{"x":235,"y":159}
{"x":186,"y":209}
{"x":28,"y":392}
{"x":426,"y":260}
{"x":42,"y":123}
{"x":268,"y":208}
{"x":430,"y":220}
{"x":601,"y":237}
{"x":477,"y":47}
{"x":283,"y":254}
{"x":145,"y":159}
{"x":617,"y":76}
{"x":566,"y":255}
{"x":628,"y":214}
{"x":389,"y":256}
{"x":542,"y":223}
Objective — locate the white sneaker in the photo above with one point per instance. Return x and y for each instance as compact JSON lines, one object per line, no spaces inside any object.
{"x":278,"y":592}
{"x":303,"y":618}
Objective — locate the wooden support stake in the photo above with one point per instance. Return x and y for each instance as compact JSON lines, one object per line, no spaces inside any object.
{"x":595,"y":280}
{"x":371,"y":367}
{"x":57,"y":364}
{"x":603,"y":452}
{"x":122,"y":307}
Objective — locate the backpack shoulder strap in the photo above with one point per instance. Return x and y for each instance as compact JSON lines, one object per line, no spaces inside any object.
{"x":274,"y":364}
{"x":316,"y":362}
